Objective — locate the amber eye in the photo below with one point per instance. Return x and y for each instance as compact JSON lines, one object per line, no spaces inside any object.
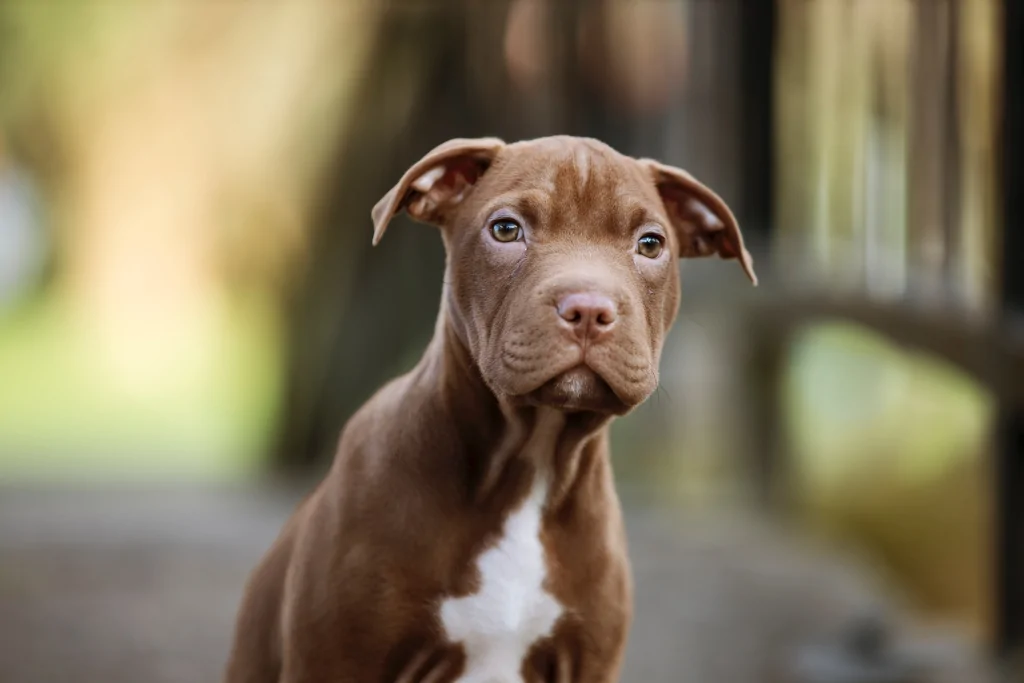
{"x":650,"y":245}
{"x":506,"y":230}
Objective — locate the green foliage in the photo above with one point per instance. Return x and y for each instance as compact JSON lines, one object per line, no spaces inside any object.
{"x":857,"y":402}
{"x":65,"y":415}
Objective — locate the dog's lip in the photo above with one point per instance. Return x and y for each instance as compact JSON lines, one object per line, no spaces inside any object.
{"x":578,"y":388}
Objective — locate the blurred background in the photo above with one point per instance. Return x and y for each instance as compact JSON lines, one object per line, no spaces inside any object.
{"x":829,"y":487}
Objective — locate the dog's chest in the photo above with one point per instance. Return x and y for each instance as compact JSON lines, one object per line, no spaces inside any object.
{"x":511,"y":610}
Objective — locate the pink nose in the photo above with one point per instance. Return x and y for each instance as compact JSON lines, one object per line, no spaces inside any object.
{"x":589,"y":315}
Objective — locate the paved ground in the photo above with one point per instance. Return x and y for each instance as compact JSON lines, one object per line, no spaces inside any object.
{"x":141,"y":587}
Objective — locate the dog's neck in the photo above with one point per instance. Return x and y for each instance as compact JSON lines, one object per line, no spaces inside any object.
{"x":501,"y":434}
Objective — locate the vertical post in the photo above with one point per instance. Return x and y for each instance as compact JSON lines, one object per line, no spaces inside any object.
{"x":757,"y":24}
{"x":1010,"y":456}
{"x":757,"y":37}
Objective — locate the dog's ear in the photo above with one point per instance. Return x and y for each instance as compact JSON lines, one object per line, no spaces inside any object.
{"x":702,"y":222}
{"x":437,"y":182}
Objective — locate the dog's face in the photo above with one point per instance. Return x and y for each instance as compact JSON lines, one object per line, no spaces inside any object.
{"x":562,"y":277}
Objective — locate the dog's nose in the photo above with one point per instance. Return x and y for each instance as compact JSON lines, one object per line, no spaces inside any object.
{"x":589,"y":315}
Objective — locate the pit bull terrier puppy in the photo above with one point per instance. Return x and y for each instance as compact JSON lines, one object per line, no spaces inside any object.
{"x":469,"y":529}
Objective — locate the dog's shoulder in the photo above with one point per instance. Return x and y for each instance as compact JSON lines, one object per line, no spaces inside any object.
{"x":369,"y":431}
{"x":385,"y":439}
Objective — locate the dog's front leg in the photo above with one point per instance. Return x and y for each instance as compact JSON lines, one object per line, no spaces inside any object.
{"x":563,"y":661}
{"x":431,"y":665}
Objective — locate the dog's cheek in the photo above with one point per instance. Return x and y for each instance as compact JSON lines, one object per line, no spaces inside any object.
{"x":491,"y":332}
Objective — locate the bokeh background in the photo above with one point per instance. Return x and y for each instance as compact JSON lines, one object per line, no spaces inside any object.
{"x":827,"y":488}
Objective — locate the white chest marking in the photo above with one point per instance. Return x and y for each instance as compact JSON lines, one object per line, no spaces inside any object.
{"x":511,"y":610}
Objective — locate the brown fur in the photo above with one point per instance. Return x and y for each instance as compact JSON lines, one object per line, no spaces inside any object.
{"x":428,"y":470}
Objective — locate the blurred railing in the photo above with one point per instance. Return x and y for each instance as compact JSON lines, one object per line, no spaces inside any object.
{"x":959,"y":292}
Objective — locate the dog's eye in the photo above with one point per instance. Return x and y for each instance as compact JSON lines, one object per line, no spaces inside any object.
{"x":506,"y":230}
{"x":650,"y":245}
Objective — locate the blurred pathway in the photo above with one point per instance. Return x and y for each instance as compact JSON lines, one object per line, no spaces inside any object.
{"x":142,"y":586}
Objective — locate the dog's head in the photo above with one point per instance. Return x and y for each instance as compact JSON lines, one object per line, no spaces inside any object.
{"x":561,"y":277}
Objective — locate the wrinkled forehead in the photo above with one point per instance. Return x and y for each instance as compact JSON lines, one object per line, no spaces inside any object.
{"x":572,"y":183}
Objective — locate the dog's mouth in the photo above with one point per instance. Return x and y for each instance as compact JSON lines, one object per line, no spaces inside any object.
{"x":579,"y":389}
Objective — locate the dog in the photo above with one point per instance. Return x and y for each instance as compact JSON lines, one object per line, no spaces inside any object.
{"x":468,"y":529}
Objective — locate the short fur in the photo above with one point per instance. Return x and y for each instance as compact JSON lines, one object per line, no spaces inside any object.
{"x":392,"y":569}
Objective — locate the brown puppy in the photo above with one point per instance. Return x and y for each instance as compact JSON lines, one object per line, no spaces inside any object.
{"x":469,"y":529}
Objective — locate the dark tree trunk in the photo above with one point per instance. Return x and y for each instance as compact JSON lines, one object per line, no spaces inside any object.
{"x":358,"y":313}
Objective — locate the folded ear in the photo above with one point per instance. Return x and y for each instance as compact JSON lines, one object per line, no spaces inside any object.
{"x":702,"y":221}
{"x":437,"y":182}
